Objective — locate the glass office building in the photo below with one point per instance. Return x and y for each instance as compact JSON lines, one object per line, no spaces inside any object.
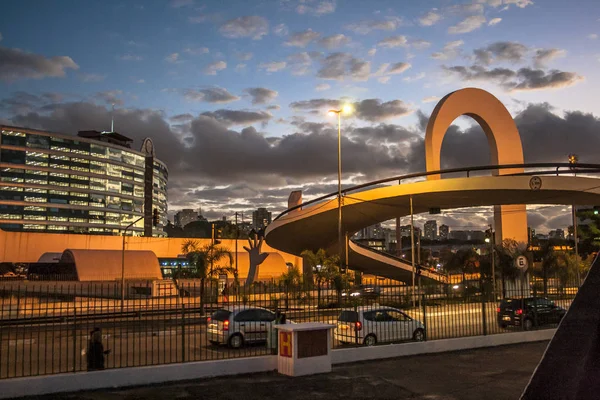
{"x":92,"y":183}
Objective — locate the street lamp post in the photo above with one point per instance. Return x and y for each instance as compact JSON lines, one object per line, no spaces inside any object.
{"x":123,"y":263}
{"x":345,"y":109}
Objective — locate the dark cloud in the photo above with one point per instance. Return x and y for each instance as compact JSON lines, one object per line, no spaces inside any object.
{"x":374,"y":110}
{"x":23,"y":102}
{"x":210,"y":95}
{"x":110,"y":97}
{"x":315,"y":104}
{"x":17,"y":64}
{"x":501,"y":51}
{"x":239,"y":117}
{"x":261,"y":95}
{"x":340,"y":66}
{"x":524,"y":79}
{"x":398,"y":68}
{"x":543,"y":56}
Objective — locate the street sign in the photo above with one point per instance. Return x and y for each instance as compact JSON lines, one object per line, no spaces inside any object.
{"x":521,"y":263}
{"x":535,"y":183}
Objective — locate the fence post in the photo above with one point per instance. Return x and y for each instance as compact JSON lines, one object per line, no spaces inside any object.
{"x":75,"y":352}
{"x":424,"y":316}
{"x":182,"y":331}
{"x":483,"y":310}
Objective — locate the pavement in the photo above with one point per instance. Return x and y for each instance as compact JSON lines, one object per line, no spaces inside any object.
{"x":498,"y":373}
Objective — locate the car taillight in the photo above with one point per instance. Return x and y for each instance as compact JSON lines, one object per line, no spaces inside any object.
{"x":226,"y":325}
{"x":208,"y":319}
{"x":519,"y":312}
{"x":498,"y":309}
{"x":358,"y":326}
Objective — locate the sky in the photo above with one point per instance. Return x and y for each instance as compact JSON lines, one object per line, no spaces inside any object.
{"x":235,"y":93}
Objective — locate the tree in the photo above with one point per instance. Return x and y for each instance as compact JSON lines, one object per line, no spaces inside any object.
{"x":206,"y":262}
{"x":507,"y":252}
{"x":323,"y":267}
{"x":565,"y":270}
{"x":549,"y":263}
{"x":464,"y":261}
{"x":290,"y":279}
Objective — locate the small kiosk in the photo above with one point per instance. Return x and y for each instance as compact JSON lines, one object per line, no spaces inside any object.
{"x":304,"y":349}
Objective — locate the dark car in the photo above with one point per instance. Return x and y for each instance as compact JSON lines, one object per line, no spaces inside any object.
{"x":363,"y":291}
{"x":528,"y":312}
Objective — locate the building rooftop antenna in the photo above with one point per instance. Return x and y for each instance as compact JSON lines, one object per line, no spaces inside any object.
{"x":112,"y":118}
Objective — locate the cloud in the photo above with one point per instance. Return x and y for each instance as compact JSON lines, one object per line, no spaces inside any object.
{"x":334,"y":41}
{"x":417,"y":77}
{"x":430,"y":18}
{"x":281,"y":30}
{"x":374,"y":110}
{"x":364,"y":27}
{"x":240,"y":67}
{"x":494,"y":21}
{"x":322,"y":86}
{"x":372,"y":52}
{"x":450,"y":50}
{"x":524,"y":79}
{"x":261,"y":95}
{"x":17,"y":64}
{"x":22,"y":102}
{"x":592,"y":36}
{"x":469,"y":24}
{"x":110,"y":97}
{"x":196,"y":51}
{"x":420,"y":44}
{"x":430,"y":99}
{"x":501,"y":51}
{"x":273,"y":107}
{"x":91,"y":77}
{"x":394,"y":41}
{"x":172,"y":58}
{"x":244,"y":56}
{"x":213,"y":68}
{"x":130,"y":57}
{"x":300,"y":63}
{"x":181,"y":118}
{"x":319,"y":9}
{"x":273,"y":66}
{"x":398,"y":68}
{"x":302,"y":39}
{"x":518,"y":3}
{"x":210,"y":95}
{"x":140,"y":81}
{"x":181,"y":3}
{"x":340,"y":66}
{"x":544,"y":56}
{"x":238,"y":117}
{"x":249,"y":26}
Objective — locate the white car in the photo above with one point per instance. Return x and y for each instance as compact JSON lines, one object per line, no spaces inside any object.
{"x":370,"y":325}
{"x":237,"y":325}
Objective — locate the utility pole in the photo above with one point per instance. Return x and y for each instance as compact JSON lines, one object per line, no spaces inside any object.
{"x":123,"y":263}
{"x":576,"y":239}
{"x":492,"y":240}
{"x":412,"y":249}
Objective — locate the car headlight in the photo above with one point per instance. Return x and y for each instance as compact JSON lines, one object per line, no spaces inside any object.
{"x":455,"y":287}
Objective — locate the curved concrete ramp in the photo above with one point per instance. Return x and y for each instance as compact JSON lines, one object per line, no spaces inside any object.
{"x":570,"y":368}
{"x":367,"y":260}
{"x":315,"y":226}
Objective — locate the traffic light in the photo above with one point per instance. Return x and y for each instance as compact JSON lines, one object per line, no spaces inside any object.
{"x":155,"y":217}
{"x":216,"y":234}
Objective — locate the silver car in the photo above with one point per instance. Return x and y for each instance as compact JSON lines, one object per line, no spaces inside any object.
{"x":375,"y":324}
{"x":237,"y":325}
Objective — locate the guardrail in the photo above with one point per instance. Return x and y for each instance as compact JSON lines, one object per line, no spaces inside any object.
{"x":551,"y":168}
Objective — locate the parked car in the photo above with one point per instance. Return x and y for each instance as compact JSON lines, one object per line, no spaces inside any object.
{"x":528,"y":312}
{"x":363,"y":291}
{"x":237,"y":325}
{"x":372,"y":325}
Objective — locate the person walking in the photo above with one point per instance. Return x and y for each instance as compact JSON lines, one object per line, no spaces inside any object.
{"x":96,"y":352}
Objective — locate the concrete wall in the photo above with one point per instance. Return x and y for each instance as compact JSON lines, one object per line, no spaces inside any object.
{"x":111,"y":378}
{"x":30,"y":246}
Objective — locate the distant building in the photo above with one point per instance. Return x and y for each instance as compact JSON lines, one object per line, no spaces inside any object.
{"x":468,"y":235}
{"x":556,"y":234}
{"x":444,"y":231}
{"x":405,"y":231}
{"x":431,"y":230}
{"x":261,"y":218}
{"x":372,"y":232}
{"x":185,"y":216}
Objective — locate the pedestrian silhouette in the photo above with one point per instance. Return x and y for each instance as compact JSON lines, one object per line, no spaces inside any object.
{"x":95,"y":353}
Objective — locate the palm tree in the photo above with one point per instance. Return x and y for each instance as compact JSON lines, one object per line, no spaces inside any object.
{"x":549,"y":263}
{"x":507,"y":252}
{"x":207,"y":262}
{"x":289,"y":280}
{"x":464,"y":261}
{"x":323,"y":267}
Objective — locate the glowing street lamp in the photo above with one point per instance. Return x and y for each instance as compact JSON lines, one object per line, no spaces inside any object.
{"x":346,"y":109}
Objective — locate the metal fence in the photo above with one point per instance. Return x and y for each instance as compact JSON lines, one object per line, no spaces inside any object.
{"x":48,"y":327}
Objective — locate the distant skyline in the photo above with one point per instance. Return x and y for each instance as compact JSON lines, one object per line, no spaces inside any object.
{"x":234,"y":93}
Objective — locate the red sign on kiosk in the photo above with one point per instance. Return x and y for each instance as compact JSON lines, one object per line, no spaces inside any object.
{"x":285,"y":344}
